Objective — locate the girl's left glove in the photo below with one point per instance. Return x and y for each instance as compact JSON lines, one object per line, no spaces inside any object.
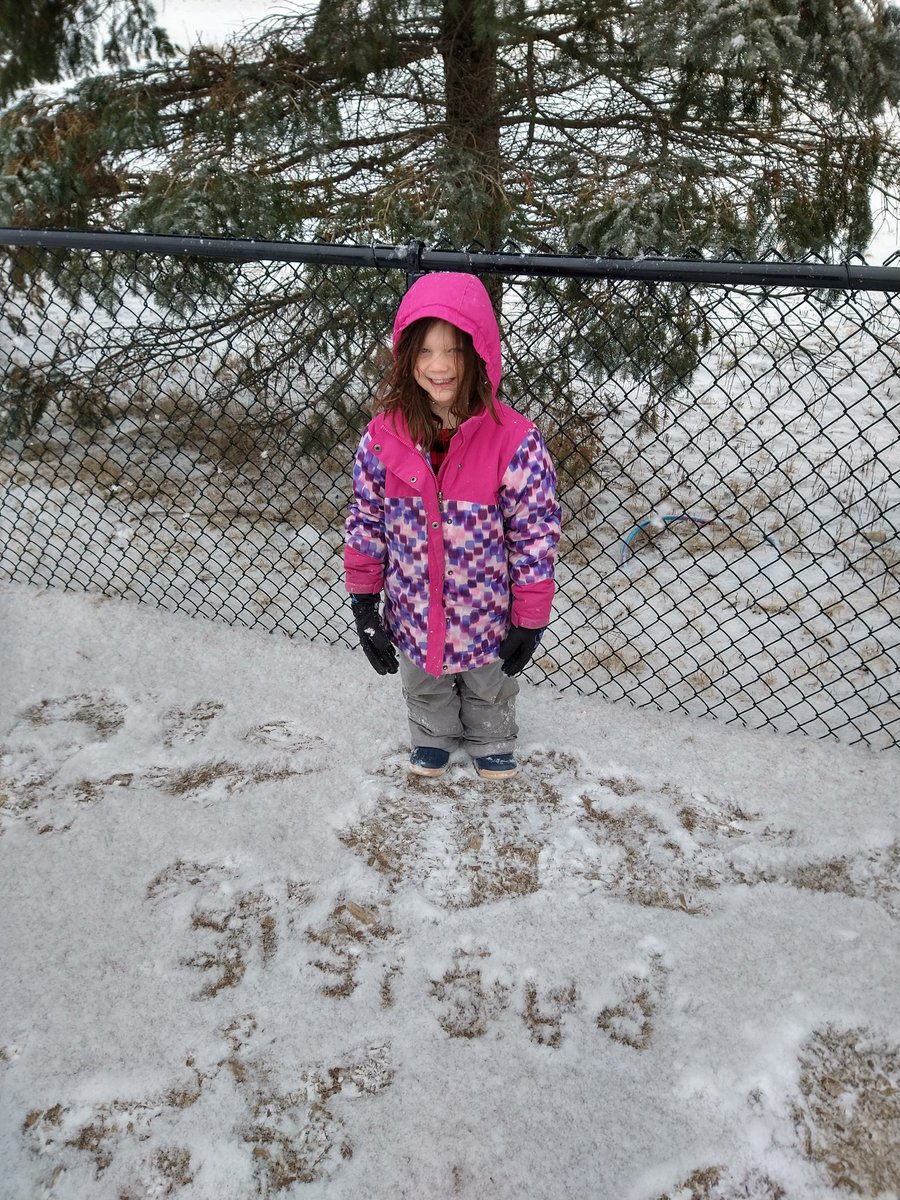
{"x":517,"y":648}
{"x":372,"y":634}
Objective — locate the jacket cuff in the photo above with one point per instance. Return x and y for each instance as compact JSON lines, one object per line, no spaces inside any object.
{"x":532,"y":603}
{"x":362,"y":573}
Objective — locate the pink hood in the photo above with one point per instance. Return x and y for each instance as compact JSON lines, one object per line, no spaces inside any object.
{"x":463,"y":301}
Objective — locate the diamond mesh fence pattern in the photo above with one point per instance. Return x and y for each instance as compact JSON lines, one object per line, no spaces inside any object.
{"x":180,"y":430}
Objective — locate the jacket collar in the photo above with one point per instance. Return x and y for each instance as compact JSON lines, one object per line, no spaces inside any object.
{"x":395,"y":423}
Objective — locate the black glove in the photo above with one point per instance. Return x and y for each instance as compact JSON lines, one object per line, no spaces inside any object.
{"x":517,"y":648}
{"x":372,"y":634}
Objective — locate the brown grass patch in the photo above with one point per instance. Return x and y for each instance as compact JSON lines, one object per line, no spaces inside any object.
{"x":282,"y":735}
{"x":717,"y":1183}
{"x":187,"y":781}
{"x":189,"y":724}
{"x":849,"y":1118}
{"x":630,"y":1020}
{"x":467,"y":1002}
{"x":294,"y":1136}
{"x":870,"y":875}
{"x":246,"y":924}
{"x":100,"y":713}
{"x":350,"y":928}
{"x":297,"y":1136}
{"x":179,"y":876}
{"x":651,"y":869}
{"x":543,"y":1015}
{"x":486,"y":831}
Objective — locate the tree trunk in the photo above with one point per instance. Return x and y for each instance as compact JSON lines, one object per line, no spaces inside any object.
{"x":468,"y":43}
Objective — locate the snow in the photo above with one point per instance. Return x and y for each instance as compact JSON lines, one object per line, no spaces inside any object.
{"x":245,"y":955}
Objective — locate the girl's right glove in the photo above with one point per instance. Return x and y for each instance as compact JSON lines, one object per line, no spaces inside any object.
{"x":372,"y":634}
{"x":517,"y":648}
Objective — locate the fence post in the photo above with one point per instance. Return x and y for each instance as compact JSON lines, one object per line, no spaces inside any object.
{"x":414,"y":270}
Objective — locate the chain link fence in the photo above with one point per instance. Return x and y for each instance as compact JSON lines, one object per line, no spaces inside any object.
{"x":178,"y":419}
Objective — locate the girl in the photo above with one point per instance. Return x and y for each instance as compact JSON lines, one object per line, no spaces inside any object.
{"x":454,"y":515}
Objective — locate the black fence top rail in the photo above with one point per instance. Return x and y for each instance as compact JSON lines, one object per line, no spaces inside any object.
{"x":414,"y":257}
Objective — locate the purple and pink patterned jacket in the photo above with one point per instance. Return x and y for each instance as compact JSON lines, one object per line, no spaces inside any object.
{"x":463,"y":554}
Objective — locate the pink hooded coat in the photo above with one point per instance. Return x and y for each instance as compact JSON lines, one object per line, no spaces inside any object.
{"x":463,"y":554}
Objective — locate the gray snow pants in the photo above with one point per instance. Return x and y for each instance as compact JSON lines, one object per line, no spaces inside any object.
{"x":473,"y":709}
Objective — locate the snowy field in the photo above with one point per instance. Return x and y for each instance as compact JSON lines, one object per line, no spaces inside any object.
{"x":244,"y":955}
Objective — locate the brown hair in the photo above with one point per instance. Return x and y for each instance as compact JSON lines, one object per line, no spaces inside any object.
{"x":400,"y":393}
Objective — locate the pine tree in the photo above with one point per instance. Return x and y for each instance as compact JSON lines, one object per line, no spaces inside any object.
{"x":46,"y":40}
{"x":632,"y":123}
{"x":601,"y":123}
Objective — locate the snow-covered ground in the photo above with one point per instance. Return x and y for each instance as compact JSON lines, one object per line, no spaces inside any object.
{"x":244,"y":955}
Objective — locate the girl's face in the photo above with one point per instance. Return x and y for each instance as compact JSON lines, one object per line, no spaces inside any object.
{"x":438,"y":368}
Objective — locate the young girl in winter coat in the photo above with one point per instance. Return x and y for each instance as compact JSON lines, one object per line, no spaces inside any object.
{"x":454,"y":515}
